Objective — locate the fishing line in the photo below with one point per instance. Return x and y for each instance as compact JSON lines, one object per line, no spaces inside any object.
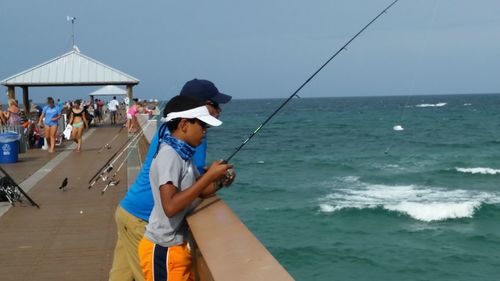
{"x":424,"y":47}
{"x":294,"y":94}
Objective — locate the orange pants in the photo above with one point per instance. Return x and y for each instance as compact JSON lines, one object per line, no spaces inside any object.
{"x":165,"y":263}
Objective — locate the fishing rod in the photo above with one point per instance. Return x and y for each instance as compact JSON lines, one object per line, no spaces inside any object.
{"x":108,"y":166}
{"x":306,"y":82}
{"x":110,"y":159}
{"x":113,"y":180}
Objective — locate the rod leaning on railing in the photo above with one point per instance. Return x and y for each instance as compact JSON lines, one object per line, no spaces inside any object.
{"x":108,"y":166}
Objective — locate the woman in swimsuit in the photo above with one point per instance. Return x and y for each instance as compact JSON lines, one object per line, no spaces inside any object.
{"x":50,"y":116}
{"x":12,"y":113}
{"x":78,"y":120}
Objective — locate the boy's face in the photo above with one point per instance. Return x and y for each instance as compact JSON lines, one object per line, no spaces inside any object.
{"x":194,"y":131}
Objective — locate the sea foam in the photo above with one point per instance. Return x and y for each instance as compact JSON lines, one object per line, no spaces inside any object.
{"x":439,"y":104}
{"x":419,"y":202}
{"x":478,"y":170}
{"x":436,"y":211}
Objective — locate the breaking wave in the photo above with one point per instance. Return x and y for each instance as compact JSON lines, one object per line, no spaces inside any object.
{"x":478,"y":170}
{"x":439,"y":104}
{"x":419,"y":202}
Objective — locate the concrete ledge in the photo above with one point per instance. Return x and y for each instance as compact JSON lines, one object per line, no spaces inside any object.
{"x":226,"y":250}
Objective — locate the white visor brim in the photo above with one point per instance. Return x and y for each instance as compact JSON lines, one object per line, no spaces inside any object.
{"x":201,"y":113}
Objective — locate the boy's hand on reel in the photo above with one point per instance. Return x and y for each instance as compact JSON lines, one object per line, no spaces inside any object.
{"x":228,"y":177}
{"x":218,"y":170}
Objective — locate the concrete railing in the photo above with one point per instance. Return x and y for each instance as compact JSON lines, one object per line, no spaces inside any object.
{"x":223,"y":248}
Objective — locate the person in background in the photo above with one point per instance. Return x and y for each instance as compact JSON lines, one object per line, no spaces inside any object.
{"x":113,"y":109}
{"x":132,"y":124}
{"x":60,"y":103}
{"x":97,"y":111}
{"x":51,"y":114}
{"x":78,"y":120}
{"x":132,"y":214}
{"x":100,"y":106}
{"x":34,"y":108}
{"x":89,"y":109}
{"x":2,"y":116}
{"x":12,"y":114}
{"x":176,"y":187}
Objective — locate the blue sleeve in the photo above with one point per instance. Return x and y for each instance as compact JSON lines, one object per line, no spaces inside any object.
{"x":200,"y":156}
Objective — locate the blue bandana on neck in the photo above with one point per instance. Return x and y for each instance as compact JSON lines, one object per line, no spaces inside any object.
{"x":184,"y":150}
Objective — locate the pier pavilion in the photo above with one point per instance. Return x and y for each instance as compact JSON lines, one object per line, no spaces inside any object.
{"x":70,"y":69}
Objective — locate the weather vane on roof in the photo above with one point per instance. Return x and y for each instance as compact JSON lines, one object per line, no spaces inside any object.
{"x":72,"y":20}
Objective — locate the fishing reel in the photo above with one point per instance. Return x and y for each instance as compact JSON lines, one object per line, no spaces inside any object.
{"x":112,"y":182}
{"x":228,"y":178}
{"x":110,"y":168}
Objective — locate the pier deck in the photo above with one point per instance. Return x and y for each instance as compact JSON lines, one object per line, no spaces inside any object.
{"x":72,"y":235}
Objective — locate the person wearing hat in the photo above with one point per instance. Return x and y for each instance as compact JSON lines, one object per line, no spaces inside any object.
{"x":206,"y":91}
{"x":176,"y":184}
{"x":132,"y":214}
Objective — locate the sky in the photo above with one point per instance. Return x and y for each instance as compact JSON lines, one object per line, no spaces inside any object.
{"x":263,"y":49}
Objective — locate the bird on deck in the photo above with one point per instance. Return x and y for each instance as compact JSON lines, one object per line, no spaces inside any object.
{"x":64,"y":183}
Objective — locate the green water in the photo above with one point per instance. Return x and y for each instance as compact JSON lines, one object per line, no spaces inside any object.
{"x":335,"y":193}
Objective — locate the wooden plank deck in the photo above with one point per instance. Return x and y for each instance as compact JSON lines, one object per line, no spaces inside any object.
{"x":72,"y":235}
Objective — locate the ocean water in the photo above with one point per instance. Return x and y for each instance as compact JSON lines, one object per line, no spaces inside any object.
{"x":337,"y":191}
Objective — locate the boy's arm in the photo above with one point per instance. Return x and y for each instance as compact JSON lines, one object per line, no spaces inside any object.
{"x":174,"y":201}
{"x":210,"y":189}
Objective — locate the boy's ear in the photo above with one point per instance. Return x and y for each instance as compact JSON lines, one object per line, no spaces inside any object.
{"x":183,"y":125}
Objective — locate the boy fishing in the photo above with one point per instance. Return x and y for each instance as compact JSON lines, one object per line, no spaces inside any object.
{"x":132,"y":214}
{"x":176,"y":185}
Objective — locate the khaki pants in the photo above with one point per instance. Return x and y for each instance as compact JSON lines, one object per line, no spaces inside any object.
{"x":130,"y":230}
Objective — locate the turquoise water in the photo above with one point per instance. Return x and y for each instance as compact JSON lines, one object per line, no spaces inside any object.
{"x":335,"y":193}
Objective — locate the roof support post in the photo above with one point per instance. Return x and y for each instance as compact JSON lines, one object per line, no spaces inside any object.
{"x":11,"y":92}
{"x":130,"y":92}
{"x":26,"y":101}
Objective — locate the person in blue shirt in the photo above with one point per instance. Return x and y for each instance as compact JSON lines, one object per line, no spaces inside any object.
{"x":60,"y":103}
{"x":50,"y":116}
{"x":132,"y":214}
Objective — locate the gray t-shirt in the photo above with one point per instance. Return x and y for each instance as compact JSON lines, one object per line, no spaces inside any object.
{"x":168,"y":166}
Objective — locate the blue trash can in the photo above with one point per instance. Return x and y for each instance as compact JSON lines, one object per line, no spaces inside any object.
{"x":9,"y":147}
